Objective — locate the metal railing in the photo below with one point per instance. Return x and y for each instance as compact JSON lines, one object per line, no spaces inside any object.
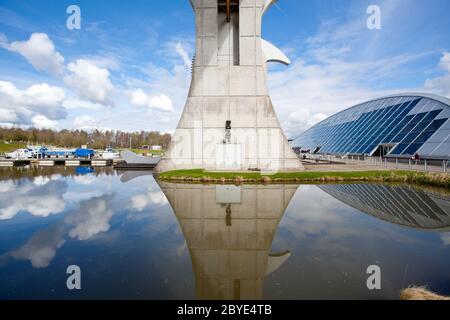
{"x":423,"y":165}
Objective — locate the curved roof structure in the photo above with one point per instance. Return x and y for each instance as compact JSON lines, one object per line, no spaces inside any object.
{"x":398,"y":125}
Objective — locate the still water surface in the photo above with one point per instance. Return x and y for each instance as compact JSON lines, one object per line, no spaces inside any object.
{"x":136,"y":239}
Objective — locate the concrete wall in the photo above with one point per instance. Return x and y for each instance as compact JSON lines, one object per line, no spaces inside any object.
{"x":221,"y":90}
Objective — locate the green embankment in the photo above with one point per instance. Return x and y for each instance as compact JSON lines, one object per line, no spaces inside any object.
{"x":9,"y":147}
{"x":438,"y":180}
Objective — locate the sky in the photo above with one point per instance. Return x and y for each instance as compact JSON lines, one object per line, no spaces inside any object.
{"x":128,"y":66}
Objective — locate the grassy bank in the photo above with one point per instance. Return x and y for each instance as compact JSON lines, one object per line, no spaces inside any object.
{"x":437,"y":180}
{"x":9,"y":147}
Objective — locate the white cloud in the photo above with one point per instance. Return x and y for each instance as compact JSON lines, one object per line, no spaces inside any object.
{"x":445,"y":61}
{"x":139,"y":98}
{"x":42,"y":122}
{"x":142,"y":201}
{"x":88,"y":77}
{"x":7,"y":186}
{"x":107,"y":62}
{"x":441,"y":85}
{"x":3,"y":40}
{"x":41,"y":248}
{"x":75,"y":103}
{"x":40,"y":52}
{"x":300,"y":119}
{"x":327,"y":80}
{"x":37,"y":100}
{"x":159,"y":102}
{"x":8,"y":116}
{"x":183,"y":54}
{"x":85,"y":123}
{"x":41,"y":198}
{"x":305,"y":94}
{"x":92,"y":218}
{"x":40,"y":206}
{"x":91,"y":82}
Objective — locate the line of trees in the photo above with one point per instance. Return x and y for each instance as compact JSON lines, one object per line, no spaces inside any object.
{"x":94,"y":139}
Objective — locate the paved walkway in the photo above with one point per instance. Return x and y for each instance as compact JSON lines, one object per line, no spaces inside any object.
{"x":340,"y":167}
{"x":358,"y":166}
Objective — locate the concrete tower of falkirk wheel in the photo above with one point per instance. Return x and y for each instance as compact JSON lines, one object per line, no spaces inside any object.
{"x":228,"y":122}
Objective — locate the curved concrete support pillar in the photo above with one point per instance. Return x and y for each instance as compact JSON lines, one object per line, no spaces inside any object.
{"x":268,"y":4}
{"x":273,"y":54}
{"x":229,"y":123}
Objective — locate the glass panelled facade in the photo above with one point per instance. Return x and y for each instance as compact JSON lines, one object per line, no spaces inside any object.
{"x":404,"y":125}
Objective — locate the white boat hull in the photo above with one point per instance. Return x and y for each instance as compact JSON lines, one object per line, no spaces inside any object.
{"x":132,"y":158}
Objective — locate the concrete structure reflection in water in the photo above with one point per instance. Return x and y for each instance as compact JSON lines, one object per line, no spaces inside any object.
{"x":400,"y":205}
{"x":229,"y":232}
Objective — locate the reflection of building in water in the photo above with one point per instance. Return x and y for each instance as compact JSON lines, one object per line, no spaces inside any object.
{"x":399,"y":205}
{"x":229,"y":231}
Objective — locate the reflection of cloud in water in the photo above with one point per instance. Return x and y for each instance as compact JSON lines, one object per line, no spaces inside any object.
{"x":41,"y":248}
{"x":142,"y":201}
{"x":7,"y":186}
{"x":92,"y":218}
{"x":42,"y":180}
{"x":78,"y":196}
{"x":315,"y":216}
{"x":445,"y":237}
{"x":84,"y":179}
{"x":41,"y":201}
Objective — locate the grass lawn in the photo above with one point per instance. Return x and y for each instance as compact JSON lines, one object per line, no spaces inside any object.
{"x":9,"y":147}
{"x":439,"y":180}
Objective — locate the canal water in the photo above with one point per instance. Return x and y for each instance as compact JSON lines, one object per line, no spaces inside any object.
{"x":135,"y":238}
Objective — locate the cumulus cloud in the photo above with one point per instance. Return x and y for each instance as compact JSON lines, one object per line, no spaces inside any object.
{"x":142,"y":201}
{"x":40,"y":52}
{"x":90,"y":82}
{"x":39,"y":100}
{"x":88,"y":77}
{"x":92,"y":218}
{"x":159,"y":102}
{"x":300,"y":119}
{"x":441,"y":85}
{"x":42,"y":122}
{"x":38,"y":200}
{"x":43,"y":180}
{"x":6,"y":186}
{"x":41,"y":248}
{"x":85,"y":123}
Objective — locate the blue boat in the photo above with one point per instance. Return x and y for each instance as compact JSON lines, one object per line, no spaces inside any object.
{"x":84,"y":153}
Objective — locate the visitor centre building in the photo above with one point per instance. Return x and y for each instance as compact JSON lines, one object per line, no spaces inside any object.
{"x":398,"y":126}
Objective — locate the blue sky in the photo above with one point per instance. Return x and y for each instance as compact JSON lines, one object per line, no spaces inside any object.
{"x":128,"y":66}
